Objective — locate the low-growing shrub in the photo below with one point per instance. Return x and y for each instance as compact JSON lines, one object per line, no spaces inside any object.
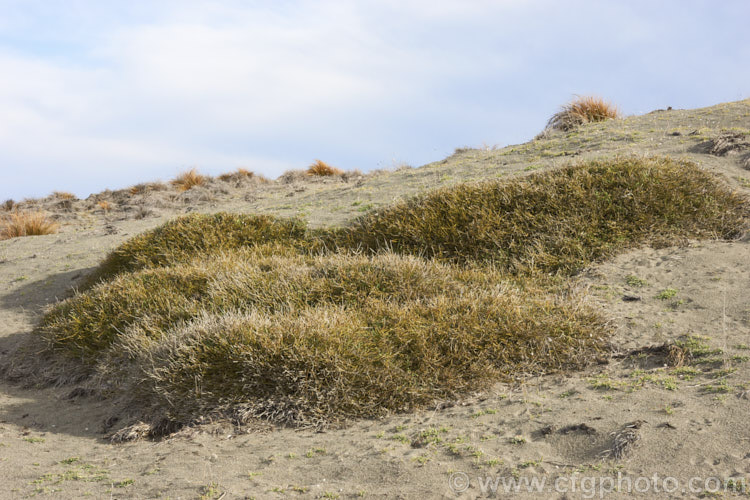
{"x":257,"y":317}
{"x":312,"y":340}
{"x":267,"y":276}
{"x":557,"y":221}
{"x":181,"y":239}
{"x":582,"y":110}
{"x":330,"y":363}
{"x":27,"y":224}
{"x":188,"y":180}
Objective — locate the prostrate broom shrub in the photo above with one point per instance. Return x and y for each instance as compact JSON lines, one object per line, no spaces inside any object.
{"x":557,"y":221}
{"x":257,"y":317}
{"x":181,"y":239}
{"x":313,"y":340}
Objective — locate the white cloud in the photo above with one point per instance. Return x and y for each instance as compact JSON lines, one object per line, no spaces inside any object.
{"x":119,"y":92}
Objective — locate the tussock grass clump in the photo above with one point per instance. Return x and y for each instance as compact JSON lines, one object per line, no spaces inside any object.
{"x":582,"y":110}
{"x":313,"y":340}
{"x":242,"y":174}
{"x":27,"y":224}
{"x":188,"y":180}
{"x":181,"y":239}
{"x":558,"y":221}
{"x":321,"y":168}
{"x":63,"y":195}
{"x":146,"y":187}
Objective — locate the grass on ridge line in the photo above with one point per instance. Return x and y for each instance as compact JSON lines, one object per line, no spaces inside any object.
{"x":582,"y":109}
{"x":558,"y":221}
{"x":323,"y":169}
{"x":312,"y":340}
{"x":258,"y":317}
{"x":188,"y":180}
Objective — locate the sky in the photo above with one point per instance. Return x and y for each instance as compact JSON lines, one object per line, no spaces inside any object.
{"x":98,"y":94}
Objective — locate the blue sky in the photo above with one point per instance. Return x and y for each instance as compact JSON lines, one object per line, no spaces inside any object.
{"x":106,"y":94}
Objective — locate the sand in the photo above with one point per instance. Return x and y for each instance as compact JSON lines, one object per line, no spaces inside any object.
{"x":558,"y":428}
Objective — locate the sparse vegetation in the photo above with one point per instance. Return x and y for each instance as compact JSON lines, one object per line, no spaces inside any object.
{"x":242,"y":174}
{"x":323,"y":169}
{"x":188,"y":180}
{"x":667,"y":293}
{"x":635,"y":281}
{"x":20,"y":224}
{"x":63,"y":195}
{"x":582,"y":110}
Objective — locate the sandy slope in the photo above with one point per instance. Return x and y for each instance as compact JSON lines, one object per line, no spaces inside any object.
{"x":53,"y":445}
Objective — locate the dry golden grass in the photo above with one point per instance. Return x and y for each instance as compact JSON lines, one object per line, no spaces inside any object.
{"x":242,"y":174}
{"x":105,"y":205}
{"x":146,"y":187}
{"x":188,"y":180}
{"x":582,"y":110}
{"x":323,"y":169}
{"x":63,"y":195}
{"x":27,"y":224}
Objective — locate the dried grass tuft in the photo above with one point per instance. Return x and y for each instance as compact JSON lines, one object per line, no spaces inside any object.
{"x":729,"y":142}
{"x":624,"y":441}
{"x":242,"y":175}
{"x":188,"y":180}
{"x":63,"y":195}
{"x":27,"y":224}
{"x":582,"y":110}
{"x":321,"y":168}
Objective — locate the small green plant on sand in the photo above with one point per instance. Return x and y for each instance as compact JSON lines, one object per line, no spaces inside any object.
{"x":666,"y":294}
